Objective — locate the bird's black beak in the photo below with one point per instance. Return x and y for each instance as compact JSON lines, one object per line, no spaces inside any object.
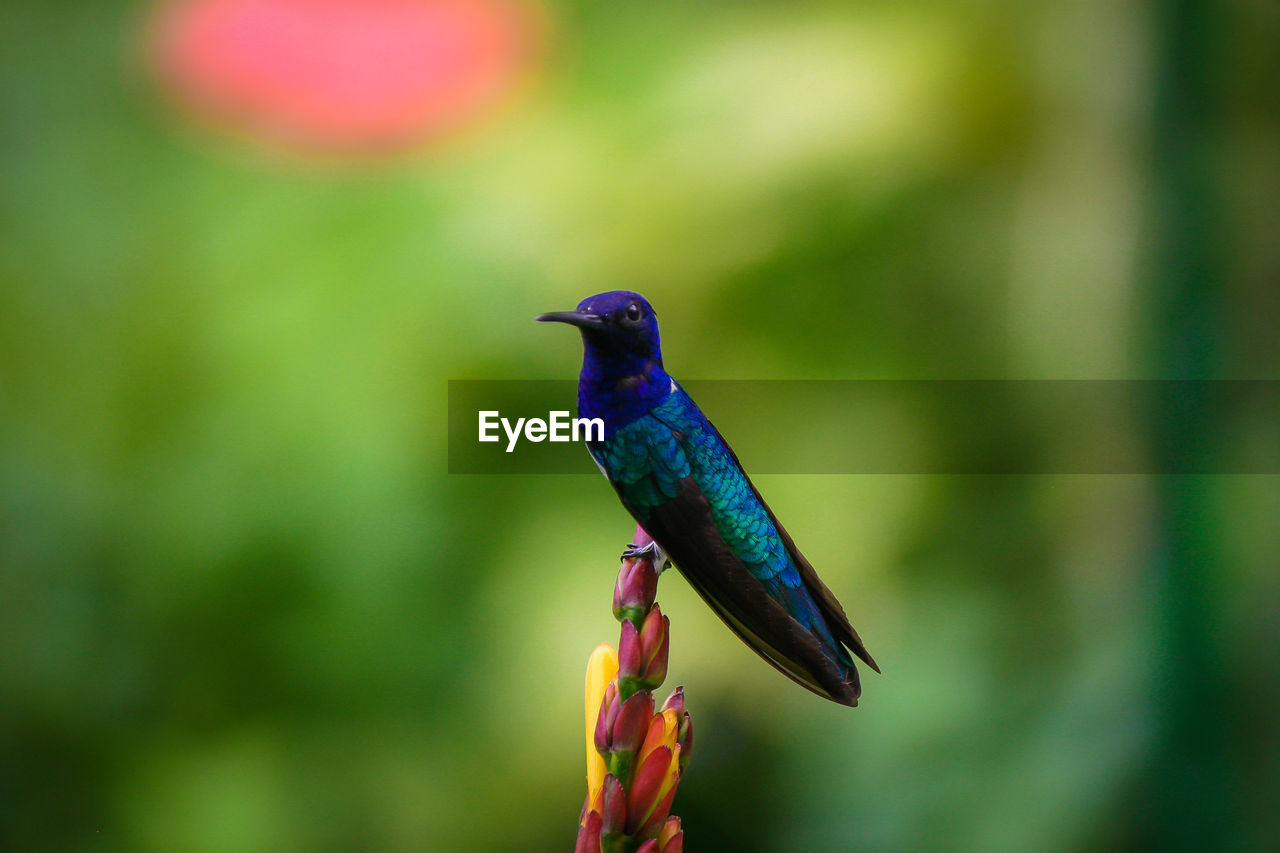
{"x":581,"y":319}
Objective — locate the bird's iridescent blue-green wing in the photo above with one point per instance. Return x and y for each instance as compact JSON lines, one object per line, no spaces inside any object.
{"x":833,"y":615}
{"x":686,"y":488}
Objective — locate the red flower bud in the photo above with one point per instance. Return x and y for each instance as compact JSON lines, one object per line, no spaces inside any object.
{"x":641,"y":537}
{"x":630,"y":653}
{"x":671,"y":838}
{"x":654,"y":822}
{"x":621,"y":729}
{"x":647,"y":787}
{"x":649,"y":631}
{"x":643,"y":654}
{"x":635,"y":589}
{"x":609,"y":707}
{"x":613,"y":806}
{"x":684,"y":724}
{"x":655,"y":642}
{"x":685,"y":742}
{"x":657,"y":773}
{"x":675,"y":702}
{"x":589,"y":834}
{"x":632,"y":724}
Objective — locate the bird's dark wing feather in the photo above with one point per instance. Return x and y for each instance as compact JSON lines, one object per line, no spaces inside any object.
{"x":837,"y":621}
{"x":661,"y":466}
{"x":828,"y":604}
{"x":685,"y":529}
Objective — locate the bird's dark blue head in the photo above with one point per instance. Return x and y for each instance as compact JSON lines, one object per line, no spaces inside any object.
{"x":622,"y":375}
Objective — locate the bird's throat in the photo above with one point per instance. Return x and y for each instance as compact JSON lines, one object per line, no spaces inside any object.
{"x":620,"y":397}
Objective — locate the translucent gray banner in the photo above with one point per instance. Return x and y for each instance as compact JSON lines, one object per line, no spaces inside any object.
{"x":909,"y":426}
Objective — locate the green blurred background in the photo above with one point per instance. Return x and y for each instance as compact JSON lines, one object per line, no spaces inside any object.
{"x":243,"y":607}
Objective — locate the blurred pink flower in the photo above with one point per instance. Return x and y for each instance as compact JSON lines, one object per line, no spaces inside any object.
{"x":343,"y":75}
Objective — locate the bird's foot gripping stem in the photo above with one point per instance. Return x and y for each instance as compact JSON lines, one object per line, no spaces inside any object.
{"x":637,"y":586}
{"x":648,"y":549}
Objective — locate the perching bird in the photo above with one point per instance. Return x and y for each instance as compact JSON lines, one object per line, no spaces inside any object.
{"x":684,"y":486}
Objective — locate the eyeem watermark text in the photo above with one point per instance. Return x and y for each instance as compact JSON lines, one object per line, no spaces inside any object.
{"x":918,"y":426}
{"x":557,"y":427}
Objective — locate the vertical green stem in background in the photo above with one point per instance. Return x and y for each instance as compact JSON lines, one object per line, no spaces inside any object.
{"x":1188,"y":781}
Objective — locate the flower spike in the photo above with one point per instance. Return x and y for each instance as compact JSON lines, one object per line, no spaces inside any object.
{"x":635,"y":756}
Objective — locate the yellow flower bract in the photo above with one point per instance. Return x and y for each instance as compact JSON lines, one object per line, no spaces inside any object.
{"x":602,"y":668}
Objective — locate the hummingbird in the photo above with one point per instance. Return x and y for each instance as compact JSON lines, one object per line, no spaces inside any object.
{"x":684,"y":485}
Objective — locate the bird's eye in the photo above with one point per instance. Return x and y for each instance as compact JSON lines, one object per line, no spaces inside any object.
{"x":633,"y":312}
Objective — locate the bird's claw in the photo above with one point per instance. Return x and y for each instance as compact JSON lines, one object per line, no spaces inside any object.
{"x":634,"y":551}
{"x":650,"y":550}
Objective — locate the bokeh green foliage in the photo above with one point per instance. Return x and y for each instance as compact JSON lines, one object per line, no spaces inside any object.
{"x":245,"y":608}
